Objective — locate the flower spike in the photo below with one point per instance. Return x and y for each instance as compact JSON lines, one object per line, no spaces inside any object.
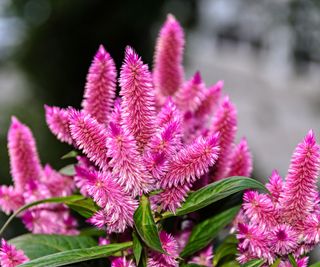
{"x":275,"y":186}
{"x":168,"y":71}
{"x":100,"y":87}
{"x":10,"y":256}
{"x":24,"y":158}
{"x":138,"y":98}
{"x":89,"y":136}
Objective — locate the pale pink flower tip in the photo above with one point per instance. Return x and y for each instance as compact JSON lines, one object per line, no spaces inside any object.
{"x":122,"y":262}
{"x":138,"y":98}
{"x":10,"y":256}
{"x":100,"y":87}
{"x":170,"y":245}
{"x":168,"y":70}
{"x":24,"y":158}
{"x":58,"y":121}
{"x":275,"y":185}
{"x":10,"y":199}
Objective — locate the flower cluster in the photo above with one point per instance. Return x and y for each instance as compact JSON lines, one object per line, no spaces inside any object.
{"x":286,"y":221}
{"x":32,"y":182}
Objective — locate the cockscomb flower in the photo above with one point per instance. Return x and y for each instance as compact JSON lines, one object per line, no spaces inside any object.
{"x":24,"y":159}
{"x":10,"y":199}
{"x":300,"y":190}
{"x":284,"y":239}
{"x":170,"y":245}
{"x":225,"y":122}
{"x":168,"y":113}
{"x":191,"y":94}
{"x":89,"y":136}
{"x":126,"y":161}
{"x":275,"y":186}
{"x":138,"y":98}
{"x":58,"y":121}
{"x":241,"y":161}
{"x":10,"y":256}
{"x":192,"y":161}
{"x":100,"y":87}
{"x":168,"y":72}
{"x":204,"y":257}
{"x":122,"y":262}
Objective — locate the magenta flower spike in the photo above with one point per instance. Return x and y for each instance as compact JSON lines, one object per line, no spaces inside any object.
{"x":58,"y":121}
{"x":126,"y":162}
{"x":225,"y":122}
{"x":117,"y":206}
{"x":191,"y":94}
{"x":10,"y":199}
{"x":168,"y":73}
{"x":192,"y":161}
{"x":210,"y":101}
{"x":303,"y":262}
{"x":100,"y":88}
{"x":138,"y":98}
{"x":300,"y":190}
{"x":10,"y":256}
{"x":90,"y":136}
{"x":170,"y":245}
{"x":241,"y":161}
{"x":122,"y":262}
{"x":168,"y":113}
{"x":116,"y":113}
{"x":24,"y":159}
{"x":275,"y":186}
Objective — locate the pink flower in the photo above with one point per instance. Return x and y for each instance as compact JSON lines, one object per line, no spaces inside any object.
{"x":170,"y":245}
{"x":284,"y":239}
{"x":168,"y":113}
{"x":168,"y":71}
{"x":300,"y":190}
{"x":275,"y":186}
{"x":122,"y":262}
{"x":58,"y":121}
{"x":100,"y":87}
{"x":311,"y":229}
{"x":191,"y":162}
{"x":127,"y":164}
{"x":10,"y":199}
{"x":225,"y":122}
{"x":303,"y":262}
{"x":204,"y":257}
{"x":10,"y":256}
{"x":191,"y":94}
{"x":241,"y":161}
{"x":103,"y":241}
{"x":138,"y":99}
{"x":24,"y":159}
{"x":90,"y":136}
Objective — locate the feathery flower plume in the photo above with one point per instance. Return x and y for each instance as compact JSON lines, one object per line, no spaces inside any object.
{"x":168,"y":113}
{"x":10,"y":199}
{"x":117,"y":206}
{"x":275,"y":186}
{"x":100,"y":87}
{"x":170,"y":245}
{"x":192,"y":161}
{"x":24,"y":159}
{"x":311,"y":229}
{"x":138,"y":98}
{"x":127,"y":164}
{"x":300,"y":190}
{"x":191,"y":94}
{"x":122,"y":262}
{"x":58,"y":121}
{"x":116,"y":113}
{"x":204,"y":257}
{"x":284,"y":239}
{"x":168,"y":70}
{"x":90,"y":136}
{"x":241,"y":162}
{"x":225,"y":122}
{"x":10,"y":256}
{"x":210,"y":101}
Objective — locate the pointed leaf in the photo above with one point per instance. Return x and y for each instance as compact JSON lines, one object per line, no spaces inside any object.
{"x":92,"y":231}
{"x":276,"y":263}
{"x":253,"y":263}
{"x":228,"y":247}
{"x":85,"y":207}
{"x":71,"y":154}
{"x":145,"y":225}
{"x":204,"y":233}
{"x":214,"y":192}
{"x":36,"y":246}
{"x":76,"y":255}
{"x":292,"y":261}
{"x":137,"y":247}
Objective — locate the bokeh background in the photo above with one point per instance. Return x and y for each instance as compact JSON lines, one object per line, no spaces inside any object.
{"x":267,"y":52}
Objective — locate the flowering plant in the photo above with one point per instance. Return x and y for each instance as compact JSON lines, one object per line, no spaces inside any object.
{"x":149,"y":184}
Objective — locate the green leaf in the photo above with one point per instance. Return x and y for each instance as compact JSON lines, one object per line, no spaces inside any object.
{"x":137,"y":247}
{"x":68,"y":170}
{"x":276,"y":263}
{"x":71,"y":154}
{"x":145,"y":225}
{"x":85,"y":207}
{"x":254,"y":263}
{"x":317,"y":264}
{"x":192,"y":265}
{"x":76,"y":255}
{"x":292,"y":261}
{"x":36,"y":246}
{"x":230,"y":264}
{"x":66,"y":199}
{"x":214,"y":192}
{"x":228,"y":247}
{"x":92,"y":231}
{"x":204,"y":233}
